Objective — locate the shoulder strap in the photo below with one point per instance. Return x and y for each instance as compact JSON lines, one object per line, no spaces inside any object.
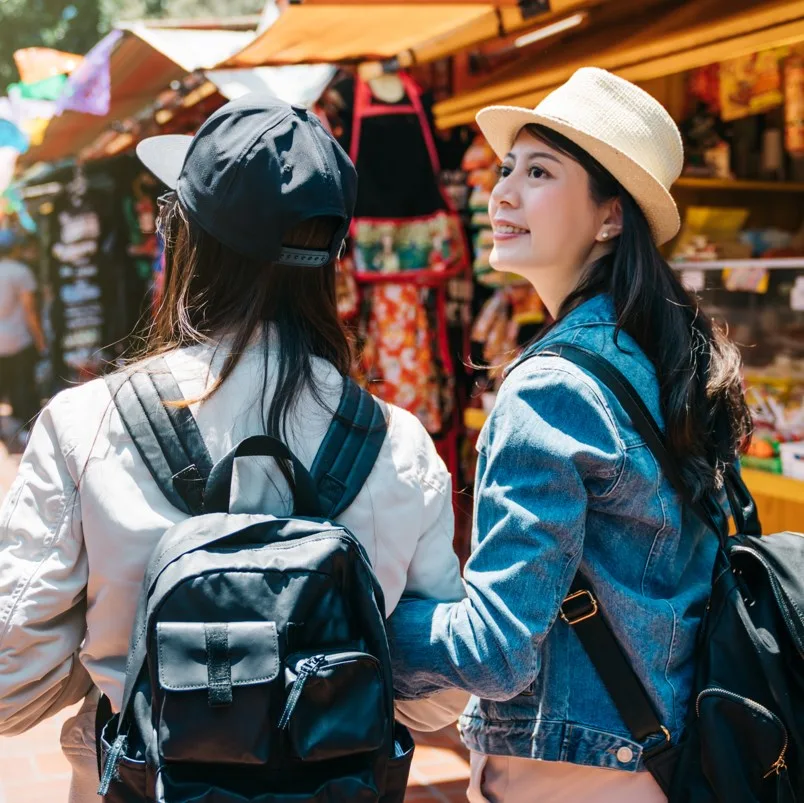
{"x":167,"y":437}
{"x":581,"y":609}
{"x":349,"y":449}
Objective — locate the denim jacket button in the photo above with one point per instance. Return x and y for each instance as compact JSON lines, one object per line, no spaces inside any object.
{"x":625,"y":755}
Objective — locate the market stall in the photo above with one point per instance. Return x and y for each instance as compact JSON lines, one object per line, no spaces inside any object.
{"x":417,"y":237}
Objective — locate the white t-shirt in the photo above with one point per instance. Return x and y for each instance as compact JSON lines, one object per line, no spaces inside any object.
{"x":15,"y":279}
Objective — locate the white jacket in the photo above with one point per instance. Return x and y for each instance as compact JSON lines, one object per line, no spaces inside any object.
{"x":79,"y":524}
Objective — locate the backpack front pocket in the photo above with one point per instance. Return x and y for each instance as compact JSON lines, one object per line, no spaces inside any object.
{"x":215,"y":678}
{"x":334,"y":705}
{"x":743,"y":746}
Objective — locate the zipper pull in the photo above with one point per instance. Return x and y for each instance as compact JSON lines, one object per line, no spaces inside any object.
{"x":777,"y":768}
{"x":309,"y":667}
{"x":112,"y":760}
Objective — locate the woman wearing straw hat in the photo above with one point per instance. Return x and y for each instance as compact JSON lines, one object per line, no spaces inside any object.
{"x":566,"y":484}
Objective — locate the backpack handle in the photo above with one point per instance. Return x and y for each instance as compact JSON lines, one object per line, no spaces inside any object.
{"x":219,"y":485}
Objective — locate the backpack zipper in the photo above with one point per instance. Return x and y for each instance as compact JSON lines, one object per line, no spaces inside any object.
{"x":308,"y":668}
{"x":777,"y":765}
{"x":115,"y":754}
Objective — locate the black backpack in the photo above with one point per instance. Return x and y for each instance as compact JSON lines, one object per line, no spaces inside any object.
{"x":258,"y":668}
{"x":744,"y":739}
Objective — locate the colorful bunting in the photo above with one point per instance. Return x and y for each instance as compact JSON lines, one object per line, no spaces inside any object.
{"x":8,"y":161}
{"x":12,"y":137}
{"x":88,"y":89}
{"x":16,"y":205}
{"x":39,"y":63}
{"x":10,"y":134}
{"x":48,"y":89}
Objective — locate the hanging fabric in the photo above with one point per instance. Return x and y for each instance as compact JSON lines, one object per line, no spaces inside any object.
{"x":407,"y":243}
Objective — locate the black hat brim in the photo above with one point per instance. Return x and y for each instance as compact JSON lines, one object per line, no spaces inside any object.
{"x":164,"y":156}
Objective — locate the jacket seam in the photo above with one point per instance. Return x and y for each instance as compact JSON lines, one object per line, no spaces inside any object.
{"x":653,"y":547}
{"x":669,"y":682}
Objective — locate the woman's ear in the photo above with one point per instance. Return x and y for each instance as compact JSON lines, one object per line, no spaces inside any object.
{"x":613,"y":222}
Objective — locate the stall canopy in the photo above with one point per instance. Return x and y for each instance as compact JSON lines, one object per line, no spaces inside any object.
{"x":346,"y":32}
{"x":381,"y":30}
{"x":639,"y":46}
{"x":146,"y":60}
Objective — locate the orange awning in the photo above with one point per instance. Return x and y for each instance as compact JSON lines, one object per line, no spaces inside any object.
{"x":373,"y":31}
{"x":315,"y":33}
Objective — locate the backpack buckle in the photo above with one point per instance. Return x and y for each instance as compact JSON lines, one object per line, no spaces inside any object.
{"x":583,"y":606}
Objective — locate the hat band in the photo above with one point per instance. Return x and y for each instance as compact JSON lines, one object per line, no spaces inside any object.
{"x":303,"y":257}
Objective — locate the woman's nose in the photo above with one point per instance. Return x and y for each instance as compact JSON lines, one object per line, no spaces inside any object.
{"x":504,"y":193}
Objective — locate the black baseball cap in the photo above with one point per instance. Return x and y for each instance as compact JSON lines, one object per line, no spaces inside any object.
{"x":256,"y":168}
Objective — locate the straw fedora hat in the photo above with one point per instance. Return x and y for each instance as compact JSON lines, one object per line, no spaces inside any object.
{"x":622,"y":126}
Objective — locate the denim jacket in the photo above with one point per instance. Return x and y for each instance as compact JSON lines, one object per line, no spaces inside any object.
{"x":564,"y":482}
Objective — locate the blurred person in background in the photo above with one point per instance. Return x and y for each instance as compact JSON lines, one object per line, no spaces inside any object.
{"x":21,"y":336}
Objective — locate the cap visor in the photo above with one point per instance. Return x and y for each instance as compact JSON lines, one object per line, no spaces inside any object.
{"x":164,"y":156}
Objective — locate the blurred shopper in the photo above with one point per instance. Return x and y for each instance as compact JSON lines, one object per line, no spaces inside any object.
{"x":21,"y":336}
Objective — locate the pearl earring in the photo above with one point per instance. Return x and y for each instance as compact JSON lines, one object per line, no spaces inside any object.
{"x":605,"y":235}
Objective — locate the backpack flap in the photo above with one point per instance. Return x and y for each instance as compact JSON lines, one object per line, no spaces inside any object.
{"x":781,"y":557}
{"x":195,"y":656}
{"x":217,"y":673}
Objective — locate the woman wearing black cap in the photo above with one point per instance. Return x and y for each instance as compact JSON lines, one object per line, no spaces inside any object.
{"x":248,"y":326}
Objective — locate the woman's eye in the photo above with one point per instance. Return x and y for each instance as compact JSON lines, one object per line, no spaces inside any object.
{"x":537,"y":172}
{"x":503,"y":171}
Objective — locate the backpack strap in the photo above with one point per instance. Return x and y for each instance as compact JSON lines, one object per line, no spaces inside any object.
{"x":166,"y":436}
{"x":349,"y":449}
{"x":581,"y":609}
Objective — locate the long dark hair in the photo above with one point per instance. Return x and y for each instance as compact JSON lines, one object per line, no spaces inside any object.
{"x":698,"y":367}
{"x":211,"y":291}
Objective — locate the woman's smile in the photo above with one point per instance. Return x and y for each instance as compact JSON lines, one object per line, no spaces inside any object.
{"x":504,"y":230}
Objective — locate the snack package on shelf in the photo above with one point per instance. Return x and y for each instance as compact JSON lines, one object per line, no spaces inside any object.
{"x":712,"y":233}
{"x":776,"y":399}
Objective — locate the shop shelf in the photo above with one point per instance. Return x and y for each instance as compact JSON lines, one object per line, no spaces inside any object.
{"x":695,"y":183}
{"x":777,"y":486}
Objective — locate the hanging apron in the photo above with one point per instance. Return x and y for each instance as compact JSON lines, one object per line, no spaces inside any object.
{"x":403,"y":261}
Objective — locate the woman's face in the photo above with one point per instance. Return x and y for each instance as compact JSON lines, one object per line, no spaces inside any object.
{"x":547,"y":227}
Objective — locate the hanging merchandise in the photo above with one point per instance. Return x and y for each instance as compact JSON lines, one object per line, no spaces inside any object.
{"x":407,"y":243}
{"x":751,"y":84}
{"x":78,"y":310}
{"x":793,"y":75}
{"x":96,"y":275}
{"x":504,"y":325}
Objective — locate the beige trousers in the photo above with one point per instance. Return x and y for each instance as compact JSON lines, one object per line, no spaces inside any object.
{"x":501,"y":779}
{"x":78,"y":746}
